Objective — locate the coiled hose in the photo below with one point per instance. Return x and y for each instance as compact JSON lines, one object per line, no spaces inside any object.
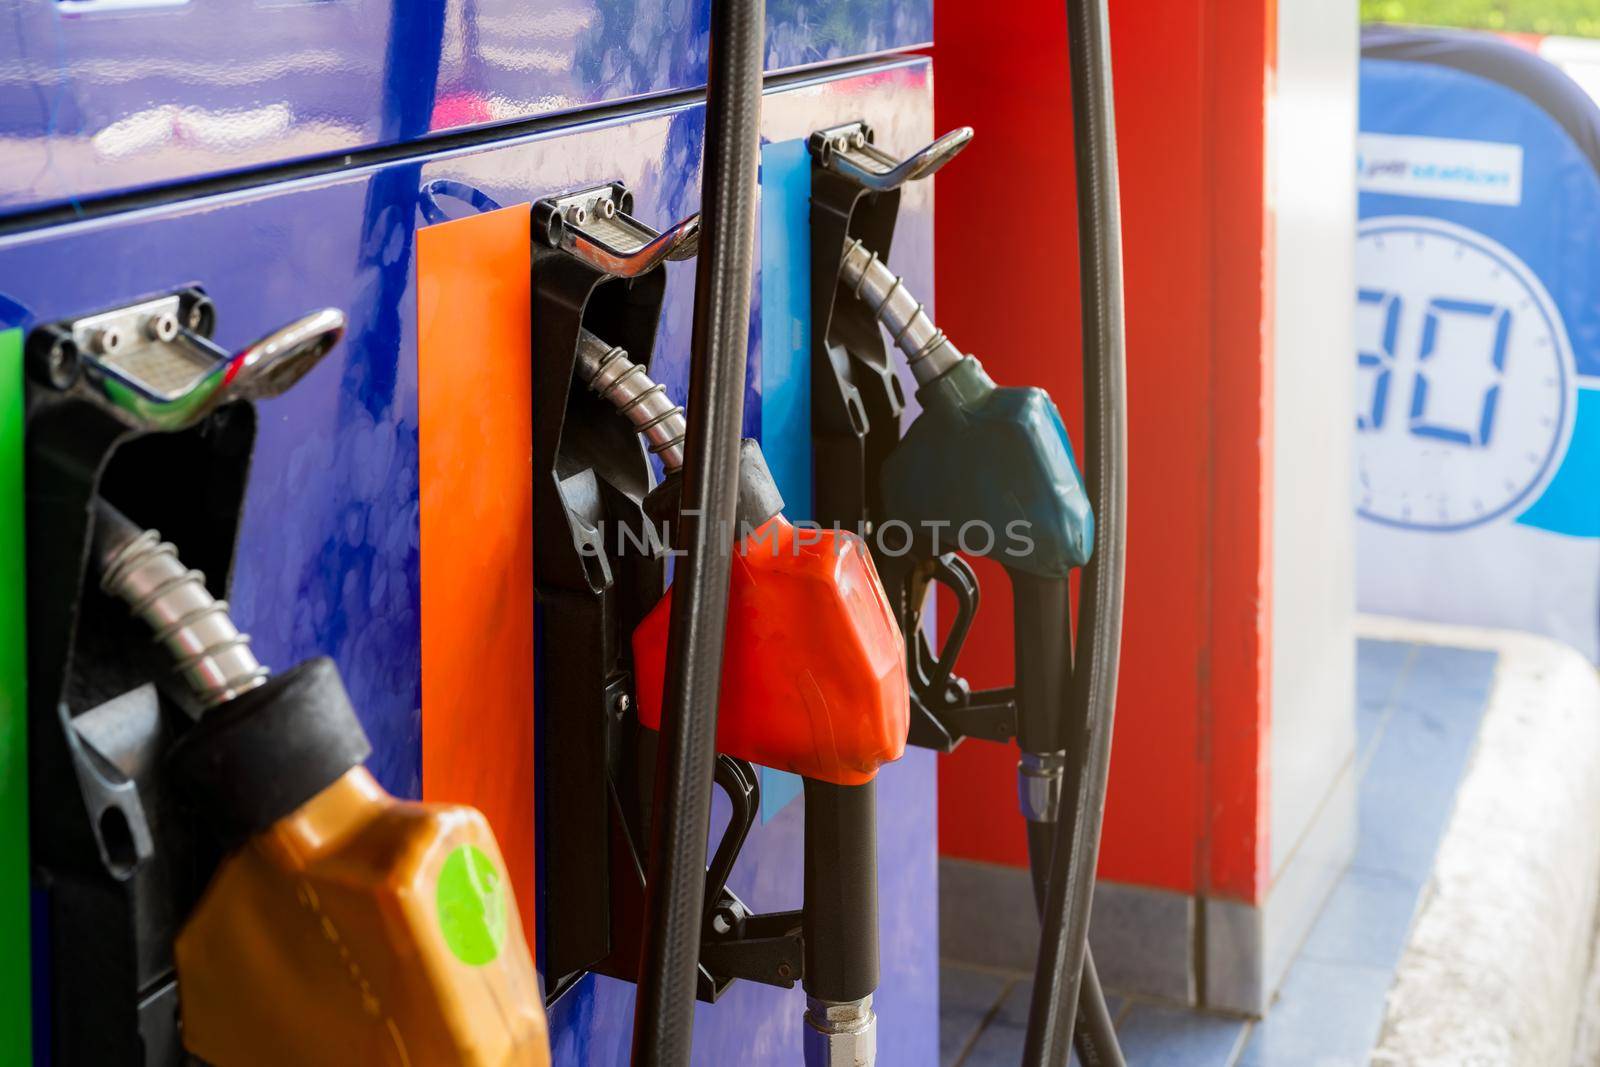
{"x":1063,"y":946}
{"x":663,"y":1018}
{"x":614,"y":377}
{"x":143,"y":571}
{"x":929,"y":353}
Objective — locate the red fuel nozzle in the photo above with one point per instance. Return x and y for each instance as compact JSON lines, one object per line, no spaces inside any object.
{"x":814,"y":674}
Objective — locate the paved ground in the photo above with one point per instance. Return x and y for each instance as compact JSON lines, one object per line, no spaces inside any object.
{"x":1418,"y":712}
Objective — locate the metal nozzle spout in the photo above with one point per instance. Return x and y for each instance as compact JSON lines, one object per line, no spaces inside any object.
{"x":611,"y":374}
{"x":928,"y":351}
{"x":143,"y":571}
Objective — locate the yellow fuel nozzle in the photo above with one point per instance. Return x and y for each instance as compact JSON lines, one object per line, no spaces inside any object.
{"x":346,"y":927}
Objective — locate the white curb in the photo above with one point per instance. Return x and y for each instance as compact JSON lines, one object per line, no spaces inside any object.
{"x":1495,"y":968}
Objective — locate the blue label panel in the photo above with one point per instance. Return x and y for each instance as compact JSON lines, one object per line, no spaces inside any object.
{"x":786,"y":359}
{"x":1477,"y":336}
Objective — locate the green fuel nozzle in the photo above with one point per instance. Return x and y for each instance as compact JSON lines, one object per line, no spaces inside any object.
{"x":989,"y":471}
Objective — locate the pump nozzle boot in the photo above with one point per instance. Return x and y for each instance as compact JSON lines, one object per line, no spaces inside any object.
{"x":979,"y":454}
{"x":813,"y":678}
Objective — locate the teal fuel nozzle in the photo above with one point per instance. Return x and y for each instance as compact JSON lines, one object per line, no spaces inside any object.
{"x":987,"y":469}
{"x":990,"y":459}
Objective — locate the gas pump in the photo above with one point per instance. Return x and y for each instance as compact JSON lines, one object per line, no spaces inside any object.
{"x":997,"y":460}
{"x":213,"y":850}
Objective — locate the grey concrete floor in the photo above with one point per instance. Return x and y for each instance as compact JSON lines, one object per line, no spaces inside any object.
{"x":1418,"y":712}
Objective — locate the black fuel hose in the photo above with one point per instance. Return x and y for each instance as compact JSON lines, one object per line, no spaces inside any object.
{"x":840,"y":922}
{"x":663,"y":1020}
{"x":1095,"y":1036}
{"x":1043,"y":640}
{"x":1063,"y":946}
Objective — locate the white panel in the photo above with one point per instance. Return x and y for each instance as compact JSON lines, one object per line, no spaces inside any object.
{"x":1313,"y":139}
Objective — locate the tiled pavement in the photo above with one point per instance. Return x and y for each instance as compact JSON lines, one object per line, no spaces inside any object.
{"x":1417,"y":716}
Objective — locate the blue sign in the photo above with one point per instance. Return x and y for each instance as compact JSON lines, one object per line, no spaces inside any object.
{"x":1477,"y":335}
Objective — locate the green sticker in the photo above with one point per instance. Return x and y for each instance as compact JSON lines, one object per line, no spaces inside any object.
{"x":472,"y":905}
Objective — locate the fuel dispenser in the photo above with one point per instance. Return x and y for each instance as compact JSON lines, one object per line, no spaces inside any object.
{"x":212,"y":851}
{"x":996,"y":460}
{"x":812,"y":678}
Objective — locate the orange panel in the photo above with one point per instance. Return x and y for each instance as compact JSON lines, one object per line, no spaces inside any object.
{"x":475,"y":470}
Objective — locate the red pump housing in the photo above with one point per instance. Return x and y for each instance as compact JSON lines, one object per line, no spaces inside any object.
{"x":813,"y":669}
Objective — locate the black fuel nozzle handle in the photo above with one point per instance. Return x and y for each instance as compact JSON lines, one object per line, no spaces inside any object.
{"x":945,"y":710}
{"x":737,"y":780}
{"x":1042,"y":644}
{"x":840,"y":923}
{"x":934,"y":672}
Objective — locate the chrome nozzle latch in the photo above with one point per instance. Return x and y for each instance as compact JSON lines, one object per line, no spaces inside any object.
{"x":155,"y":362}
{"x":848,"y":150}
{"x":597,"y":226}
{"x":1039,"y":784}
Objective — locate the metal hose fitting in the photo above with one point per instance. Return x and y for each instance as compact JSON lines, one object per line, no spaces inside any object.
{"x":610,"y":373}
{"x":1039,"y":785}
{"x":840,"y":1035}
{"x":928,"y":351}
{"x":143,"y":571}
